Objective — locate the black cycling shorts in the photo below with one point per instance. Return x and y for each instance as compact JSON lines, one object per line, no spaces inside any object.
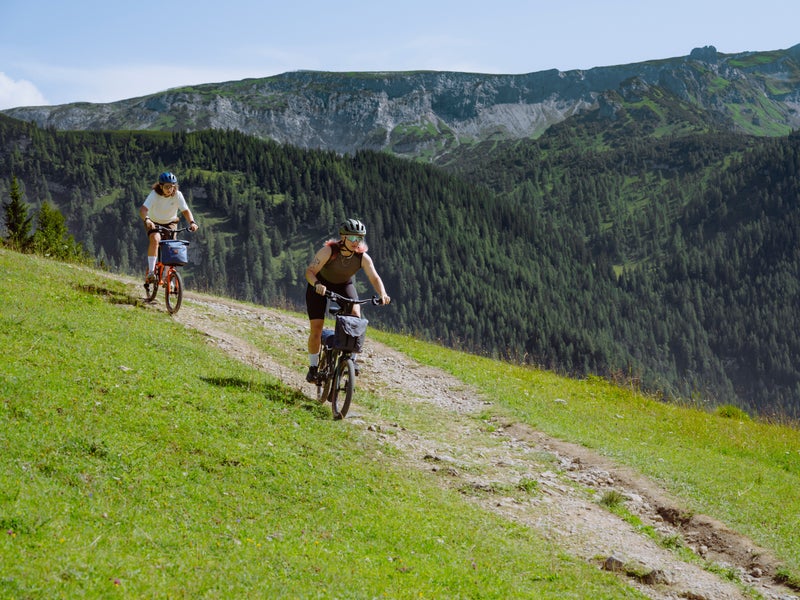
{"x":316,"y":304}
{"x":164,"y":235}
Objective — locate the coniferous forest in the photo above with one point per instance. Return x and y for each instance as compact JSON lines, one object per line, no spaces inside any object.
{"x":670,"y":261}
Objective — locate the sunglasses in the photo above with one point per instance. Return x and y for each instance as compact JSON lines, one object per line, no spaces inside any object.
{"x":354,"y":238}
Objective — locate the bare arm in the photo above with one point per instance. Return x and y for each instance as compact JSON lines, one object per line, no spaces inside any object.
{"x":188,"y":216}
{"x":315,"y":266}
{"x":143,"y":210}
{"x":374,"y":278}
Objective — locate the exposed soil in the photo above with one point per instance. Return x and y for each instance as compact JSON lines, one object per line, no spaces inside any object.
{"x":522,"y":474}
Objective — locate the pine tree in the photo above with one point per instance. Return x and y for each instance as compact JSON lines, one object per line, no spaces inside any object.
{"x":18,"y":221}
{"x":50,"y":231}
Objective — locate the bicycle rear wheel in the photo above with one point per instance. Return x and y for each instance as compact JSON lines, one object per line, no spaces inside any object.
{"x":324,"y":376}
{"x":343,"y":386}
{"x":174,"y":291}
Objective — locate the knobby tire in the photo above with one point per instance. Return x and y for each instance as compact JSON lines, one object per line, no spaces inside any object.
{"x":150,"y":290}
{"x":324,"y":385}
{"x":343,"y":385}
{"x":174,"y":291}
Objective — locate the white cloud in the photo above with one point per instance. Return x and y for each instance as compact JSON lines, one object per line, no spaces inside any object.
{"x":105,"y":84}
{"x":19,"y":93}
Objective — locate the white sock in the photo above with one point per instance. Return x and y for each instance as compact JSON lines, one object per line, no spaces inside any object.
{"x":313,"y":360}
{"x":151,"y":263}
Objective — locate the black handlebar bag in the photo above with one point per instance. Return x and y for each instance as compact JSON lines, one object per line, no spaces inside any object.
{"x":350,"y":333}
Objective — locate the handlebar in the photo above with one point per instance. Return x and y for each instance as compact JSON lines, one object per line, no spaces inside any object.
{"x":162,"y":229}
{"x":338,"y":298}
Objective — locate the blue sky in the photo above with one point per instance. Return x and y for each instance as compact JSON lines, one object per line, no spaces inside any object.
{"x":107,"y":50}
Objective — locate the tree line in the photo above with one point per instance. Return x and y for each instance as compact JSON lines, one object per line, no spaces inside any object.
{"x":44,"y":234}
{"x":670,"y":263}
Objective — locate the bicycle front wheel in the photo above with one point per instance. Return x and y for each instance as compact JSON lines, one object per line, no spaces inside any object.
{"x":343,"y":386}
{"x":150,"y":291}
{"x":174,"y":291}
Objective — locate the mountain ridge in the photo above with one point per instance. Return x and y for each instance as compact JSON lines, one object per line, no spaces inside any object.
{"x":428,"y":113}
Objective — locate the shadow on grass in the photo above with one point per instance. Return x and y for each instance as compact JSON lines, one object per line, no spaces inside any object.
{"x":112,"y":296}
{"x":275,"y":392}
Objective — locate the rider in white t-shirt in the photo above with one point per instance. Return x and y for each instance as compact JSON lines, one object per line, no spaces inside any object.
{"x":161,"y":207}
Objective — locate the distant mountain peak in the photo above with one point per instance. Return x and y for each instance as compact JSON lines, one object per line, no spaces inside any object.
{"x":705,"y":54}
{"x":430,"y":113}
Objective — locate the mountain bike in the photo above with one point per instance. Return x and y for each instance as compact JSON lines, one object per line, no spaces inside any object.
{"x":336,"y":372}
{"x":171,"y":254}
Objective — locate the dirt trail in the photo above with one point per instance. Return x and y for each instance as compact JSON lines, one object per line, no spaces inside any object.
{"x":498,"y":466}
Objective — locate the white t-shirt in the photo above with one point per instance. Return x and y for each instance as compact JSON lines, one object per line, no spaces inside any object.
{"x":165,"y":210}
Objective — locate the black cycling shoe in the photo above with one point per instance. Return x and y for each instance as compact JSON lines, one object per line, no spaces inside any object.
{"x":357,"y":369}
{"x":311,"y":376}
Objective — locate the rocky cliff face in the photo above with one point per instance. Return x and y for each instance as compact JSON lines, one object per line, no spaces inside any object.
{"x":427,"y":113}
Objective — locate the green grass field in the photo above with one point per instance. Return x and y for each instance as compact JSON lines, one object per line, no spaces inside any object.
{"x":138,"y":461}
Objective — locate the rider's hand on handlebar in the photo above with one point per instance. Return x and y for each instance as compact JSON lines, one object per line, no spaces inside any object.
{"x":193,"y":226}
{"x":385,"y":299}
{"x":320,"y":289}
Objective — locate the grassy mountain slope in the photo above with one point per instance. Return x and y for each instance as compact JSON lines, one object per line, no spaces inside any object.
{"x":137,"y":461}
{"x":140,"y":460}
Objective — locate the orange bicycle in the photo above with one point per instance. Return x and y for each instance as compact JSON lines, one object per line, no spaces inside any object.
{"x":172,"y":253}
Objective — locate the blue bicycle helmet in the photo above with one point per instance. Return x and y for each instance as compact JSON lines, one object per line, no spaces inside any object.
{"x":167,"y":177}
